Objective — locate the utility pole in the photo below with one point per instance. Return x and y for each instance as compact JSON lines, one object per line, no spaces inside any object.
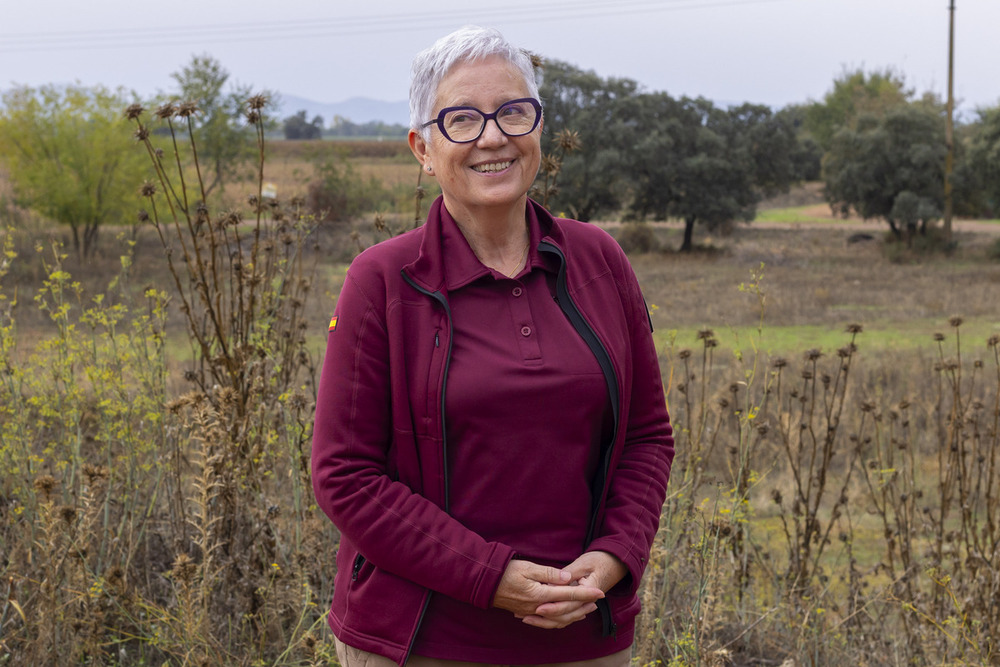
{"x":949,"y":128}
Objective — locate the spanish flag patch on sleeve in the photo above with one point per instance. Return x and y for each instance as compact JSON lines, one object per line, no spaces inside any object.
{"x":333,"y":323}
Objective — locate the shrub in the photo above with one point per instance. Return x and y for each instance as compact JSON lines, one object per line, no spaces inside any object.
{"x":339,"y":194}
{"x":637,"y":237}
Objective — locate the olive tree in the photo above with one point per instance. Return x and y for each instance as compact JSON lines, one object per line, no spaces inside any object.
{"x":704,"y":164}
{"x":983,"y":165}
{"x":890,"y":167}
{"x":71,"y":157}
{"x":593,"y":177}
{"x":855,"y":93}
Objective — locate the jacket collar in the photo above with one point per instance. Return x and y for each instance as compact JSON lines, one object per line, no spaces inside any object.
{"x":441,"y":236}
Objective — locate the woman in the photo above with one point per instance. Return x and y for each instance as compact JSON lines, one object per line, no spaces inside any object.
{"x":491,"y":433}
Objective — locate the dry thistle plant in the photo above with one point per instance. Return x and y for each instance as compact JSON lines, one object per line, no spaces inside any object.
{"x":567,"y":141}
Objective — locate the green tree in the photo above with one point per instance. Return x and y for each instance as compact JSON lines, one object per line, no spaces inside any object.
{"x":225,"y":142}
{"x":703,"y":164}
{"x":297,"y":127}
{"x":807,"y":156}
{"x":982,"y":169}
{"x":593,"y":178}
{"x":342,"y":127}
{"x":890,"y":167}
{"x":854,"y":94}
{"x":70,"y":156}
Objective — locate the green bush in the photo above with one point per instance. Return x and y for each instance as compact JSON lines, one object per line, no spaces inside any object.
{"x":340,"y":194}
{"x":637,"y":237}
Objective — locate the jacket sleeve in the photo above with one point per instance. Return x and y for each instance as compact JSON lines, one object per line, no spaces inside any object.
{"x":393,"y":527}
{"x":638,"y":481}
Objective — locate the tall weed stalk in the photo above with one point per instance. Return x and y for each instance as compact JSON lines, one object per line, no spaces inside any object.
{"x":156,"y":508}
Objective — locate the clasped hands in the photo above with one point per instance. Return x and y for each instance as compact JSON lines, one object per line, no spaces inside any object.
{"x":549,"y":597}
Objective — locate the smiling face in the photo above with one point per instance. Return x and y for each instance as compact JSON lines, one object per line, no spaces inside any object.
{"x":493,"y":173}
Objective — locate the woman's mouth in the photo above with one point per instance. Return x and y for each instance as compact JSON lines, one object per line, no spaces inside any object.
{"x":492,"y":167}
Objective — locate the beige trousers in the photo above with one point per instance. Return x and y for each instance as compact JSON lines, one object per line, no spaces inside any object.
{"x":352,"y":657}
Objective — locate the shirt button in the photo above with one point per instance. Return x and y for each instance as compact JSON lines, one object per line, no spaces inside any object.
{"x":525,"y":331}
{"x":517,"y":291}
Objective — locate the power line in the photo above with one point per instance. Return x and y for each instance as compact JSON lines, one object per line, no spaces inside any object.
{"x":130,"y":38}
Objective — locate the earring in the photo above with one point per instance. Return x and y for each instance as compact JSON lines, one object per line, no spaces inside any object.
{"x":429,"y":169}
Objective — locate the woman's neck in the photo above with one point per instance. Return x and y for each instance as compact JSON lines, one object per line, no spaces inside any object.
{"x":499,"y":240}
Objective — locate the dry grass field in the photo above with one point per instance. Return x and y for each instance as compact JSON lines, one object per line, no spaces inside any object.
{"x":836,"y":408}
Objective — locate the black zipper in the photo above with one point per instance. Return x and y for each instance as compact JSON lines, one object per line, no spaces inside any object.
{"x":579,"y":322}
{"x":359,"y":561}
{"x":437,"y":296}
{"x":420,"y":621}
{"x":608,"y":626}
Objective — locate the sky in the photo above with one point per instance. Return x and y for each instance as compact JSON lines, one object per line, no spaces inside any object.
{"x":773,"y":52}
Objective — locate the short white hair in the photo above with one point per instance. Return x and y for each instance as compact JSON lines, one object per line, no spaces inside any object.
{"x":467,"y":44}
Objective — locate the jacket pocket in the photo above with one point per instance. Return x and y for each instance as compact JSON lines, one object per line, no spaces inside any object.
{"x":617,"y":611}
{"x":359,"y":563}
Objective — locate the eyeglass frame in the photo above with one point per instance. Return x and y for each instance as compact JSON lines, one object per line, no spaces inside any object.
{"x":487,"y":117}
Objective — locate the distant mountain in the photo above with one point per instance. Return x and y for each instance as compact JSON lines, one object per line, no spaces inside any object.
{"x":357,"y":110}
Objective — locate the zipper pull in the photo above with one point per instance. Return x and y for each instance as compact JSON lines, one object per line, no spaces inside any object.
{"x":359,"y":560}
{"x":437,"y":339}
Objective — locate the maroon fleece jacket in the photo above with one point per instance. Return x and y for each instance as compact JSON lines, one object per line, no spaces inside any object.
{"x":380,"y":449}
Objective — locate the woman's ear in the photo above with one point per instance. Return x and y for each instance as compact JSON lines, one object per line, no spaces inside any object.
{"x":418,"y":146}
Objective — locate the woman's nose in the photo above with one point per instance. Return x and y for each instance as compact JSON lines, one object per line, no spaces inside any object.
{"x":492,"y":134}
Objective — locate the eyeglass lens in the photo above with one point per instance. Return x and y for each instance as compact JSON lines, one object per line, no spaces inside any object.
{"x":514,"y":118}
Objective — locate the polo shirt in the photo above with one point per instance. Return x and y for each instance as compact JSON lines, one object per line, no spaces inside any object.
{"x":526,"y":407}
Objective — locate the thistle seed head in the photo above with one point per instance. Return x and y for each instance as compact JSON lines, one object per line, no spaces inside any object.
{"x":133,"y":111}
{"x":854,"y":328}
{"x":184,"y":569}
{"x":568,"y":140}
{"x":166,"y":110}
{"x":955,"y":321}
{"x":551,"y":164}
{"x":94,"y":473}
{"x":67,"y":514}
{"x":257,"y":102}
{"x":45,"y":484}
{"x":187,"y":109}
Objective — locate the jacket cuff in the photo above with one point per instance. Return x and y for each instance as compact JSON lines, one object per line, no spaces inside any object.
{"x":486,"y":588}
{"x":636,"y":563}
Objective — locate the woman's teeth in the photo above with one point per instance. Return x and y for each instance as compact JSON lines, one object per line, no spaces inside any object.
{"x":492,"y":167}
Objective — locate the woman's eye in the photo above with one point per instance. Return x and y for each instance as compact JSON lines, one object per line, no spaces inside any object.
{"x":461,"y":117}
{"x":512,"y":110}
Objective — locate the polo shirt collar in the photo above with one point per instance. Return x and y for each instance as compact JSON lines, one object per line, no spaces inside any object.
{"x":461,"y":265}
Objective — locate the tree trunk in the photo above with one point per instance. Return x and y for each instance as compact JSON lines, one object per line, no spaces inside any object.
{"x":687,"y":245}
{"x":76,"y":241}
{"x":90,"y":238}
{"x":896,"y":230}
